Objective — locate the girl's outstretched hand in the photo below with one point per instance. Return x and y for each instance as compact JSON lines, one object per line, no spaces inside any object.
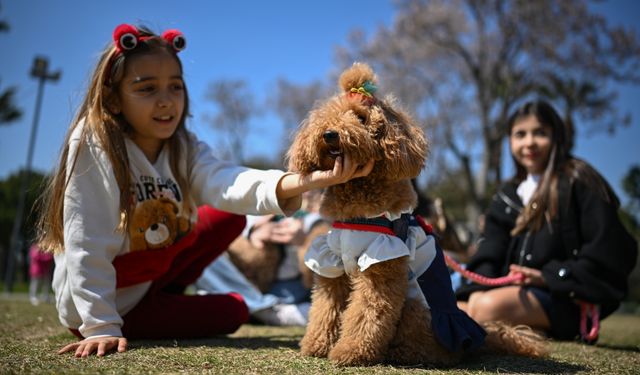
{"x":291,"y":186}
{"x":99,"y":345}
{"x":344,"y":169}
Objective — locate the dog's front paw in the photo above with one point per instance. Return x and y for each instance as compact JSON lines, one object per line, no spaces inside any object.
{"x":350,"y":353}
{"x":314,"y":346}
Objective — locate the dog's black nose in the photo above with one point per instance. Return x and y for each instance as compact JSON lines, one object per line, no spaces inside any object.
{"x":154,"y":226}
{"x":331,"y":137}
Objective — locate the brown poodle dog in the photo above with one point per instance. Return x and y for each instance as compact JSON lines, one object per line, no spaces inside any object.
{"x":367,"y":306}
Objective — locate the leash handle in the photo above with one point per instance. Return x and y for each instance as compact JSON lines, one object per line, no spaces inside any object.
{"x":483,"y":280}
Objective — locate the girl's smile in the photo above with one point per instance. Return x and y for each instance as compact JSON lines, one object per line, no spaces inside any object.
{"x":151,"y":97}
{"x":530,"y":144}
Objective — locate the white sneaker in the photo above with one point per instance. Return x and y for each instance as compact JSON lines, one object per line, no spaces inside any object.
{"x":284,"y":315}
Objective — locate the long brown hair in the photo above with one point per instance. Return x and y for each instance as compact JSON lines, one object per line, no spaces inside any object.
{"x":108,"y":130}
{"x":544,"y":203}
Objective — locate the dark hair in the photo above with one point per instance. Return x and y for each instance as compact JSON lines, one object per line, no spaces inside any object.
{"x":544,"y":203}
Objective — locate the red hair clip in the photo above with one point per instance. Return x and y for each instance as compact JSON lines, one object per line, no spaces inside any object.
{"x":175,"y":39}
{"x":126,"y":37}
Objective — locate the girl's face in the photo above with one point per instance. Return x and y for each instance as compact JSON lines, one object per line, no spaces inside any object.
{"x":151,"y":97}
{"x":531,"y":144}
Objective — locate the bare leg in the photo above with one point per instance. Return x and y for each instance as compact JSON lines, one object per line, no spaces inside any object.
{"x":329,"y":298}
{"x":370,"y":320}
{"x":510,"y":304}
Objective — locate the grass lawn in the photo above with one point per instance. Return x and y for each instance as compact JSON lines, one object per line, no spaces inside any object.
{"x":32,"y":335}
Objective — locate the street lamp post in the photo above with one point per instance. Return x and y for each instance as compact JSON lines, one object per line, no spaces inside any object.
{"x":40,"y":71}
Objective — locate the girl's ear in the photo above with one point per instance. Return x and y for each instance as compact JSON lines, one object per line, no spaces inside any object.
{"x":114,"y":106}
{"x":112,"y":102}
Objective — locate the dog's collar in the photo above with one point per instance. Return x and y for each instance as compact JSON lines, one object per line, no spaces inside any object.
{"x":381,"y":224}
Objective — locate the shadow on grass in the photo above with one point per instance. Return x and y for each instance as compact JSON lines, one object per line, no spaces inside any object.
{"x":263,"y":342}
{"x":626,"y":348}
{"x":500,"y":364}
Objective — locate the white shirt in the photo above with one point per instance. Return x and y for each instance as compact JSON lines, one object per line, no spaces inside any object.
{"x":527,"y":187}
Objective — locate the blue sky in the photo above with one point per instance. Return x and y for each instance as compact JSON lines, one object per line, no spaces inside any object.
{"x":258,"y":41}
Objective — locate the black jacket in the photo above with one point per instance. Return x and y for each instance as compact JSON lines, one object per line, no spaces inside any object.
{"x":584,"y":253}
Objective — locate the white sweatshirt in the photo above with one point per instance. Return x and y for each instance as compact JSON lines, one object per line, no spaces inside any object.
{"x":84,"y":280}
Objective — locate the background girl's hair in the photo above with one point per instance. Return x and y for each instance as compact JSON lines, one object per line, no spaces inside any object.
{"x":543,"y":205}
{"x":108,"y":130}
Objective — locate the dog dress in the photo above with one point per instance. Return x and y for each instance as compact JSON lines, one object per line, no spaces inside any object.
{"x":355,"y":245}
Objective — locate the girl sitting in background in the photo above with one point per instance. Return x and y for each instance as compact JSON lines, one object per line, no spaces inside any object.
{"x":556,"y":223}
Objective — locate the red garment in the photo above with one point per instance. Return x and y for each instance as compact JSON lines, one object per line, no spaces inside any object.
{"x":165,"y":312}
{"x":40,"y":262}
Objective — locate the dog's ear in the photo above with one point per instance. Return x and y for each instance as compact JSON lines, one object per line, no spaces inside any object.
{"x":299,"y":156}
{"x":404,"y":144}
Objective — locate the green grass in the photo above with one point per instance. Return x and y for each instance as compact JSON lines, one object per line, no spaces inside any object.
{"x":32,"y":335}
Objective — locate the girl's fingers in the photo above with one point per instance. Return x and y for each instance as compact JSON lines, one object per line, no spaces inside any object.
{"x":352,"y":170}
{"x":102,"y":349}
{"x":337,"y":166}
{"x":68,"y":348}
{"x":79,"y":350}
{"x":122,"y":345}
{"x":349,"y":166}
{"x":88,"y":349}
{"x":365,"y":169}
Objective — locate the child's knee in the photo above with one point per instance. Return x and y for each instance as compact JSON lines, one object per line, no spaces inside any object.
{"x":238,"y":312}
{"x":483,"y":307}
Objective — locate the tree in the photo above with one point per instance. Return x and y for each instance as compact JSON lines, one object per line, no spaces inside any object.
{"x":4,"y":25}
{"x":8,"y":111}
{"x":9,"y":193}
{"x":631,"y":184}
{"x":465,"y":65}
{"x":292,"y":102}
{"x":235,"y":107}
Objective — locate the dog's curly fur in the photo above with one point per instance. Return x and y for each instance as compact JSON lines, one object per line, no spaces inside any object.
{"x":363,"y":318}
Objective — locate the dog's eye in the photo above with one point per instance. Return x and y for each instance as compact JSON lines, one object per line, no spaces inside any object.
{"x":163,"y":220}
{"x":141,"y":230}
{"x":362,"y":118}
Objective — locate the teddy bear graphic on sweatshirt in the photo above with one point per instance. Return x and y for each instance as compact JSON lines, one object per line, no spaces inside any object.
{"x":156,"y":223}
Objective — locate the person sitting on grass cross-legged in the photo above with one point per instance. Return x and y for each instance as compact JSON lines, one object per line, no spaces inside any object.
{"x":129,"y":146}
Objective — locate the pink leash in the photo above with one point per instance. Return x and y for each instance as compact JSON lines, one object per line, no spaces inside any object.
{"x":586,"y":309}
{"x":482,"y":280}
{"x":594,"y":311}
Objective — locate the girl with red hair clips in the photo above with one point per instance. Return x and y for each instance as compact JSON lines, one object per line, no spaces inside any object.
{"x":129,"y":212}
